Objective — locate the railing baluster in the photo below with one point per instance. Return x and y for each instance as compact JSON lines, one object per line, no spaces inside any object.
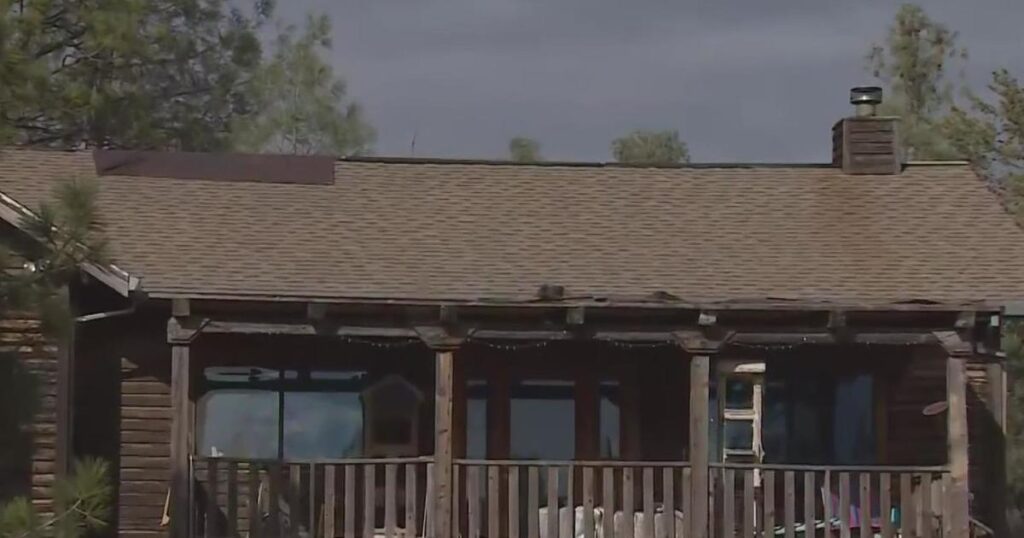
{"x":513,"y":502}
{"x":885,"y":504}
{"x":311,"y":503}
{"x":685,"y":489}
{"x":212,"y":510}
{"x":588,"y":502}
{"x":294,"y":498}
{"x":473,"y":500}
{"x":866,"y":528}
{"x":369,"y":500}
{"x":908,"y":515}
{"x":668,"y":500}
{"x":844,"y":505}
{"x":349,"y":516}
{"x":728,"y":503}
{"x":925,"y":505}
{"x":628,"y":505}
{"x":810,"y":517}
{"x":947,"y":483}
{"x":411,"y":495}
{"x":748,"y":503}
{"x":769,"y":503}
{"x":493,"y":501}
{"x":330,"y":483}
{"x":608,"y":502}
{"x":274,"y":500}
{"x":552,"y":502}
{"x":232,"y":510}
{"x":569,"y":523}
{"x":532,"y":502}
{"x":826,"y":503}
{"x":648,"y":492}
{"x":788,"y":479}
{"x":252,"y":502}
{"x":390,"y":496}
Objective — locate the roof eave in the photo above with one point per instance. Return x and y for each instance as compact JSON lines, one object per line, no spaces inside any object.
{"x":117,"y":279}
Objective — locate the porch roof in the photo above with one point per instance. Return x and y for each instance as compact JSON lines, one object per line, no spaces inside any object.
{"x":460,"y":231}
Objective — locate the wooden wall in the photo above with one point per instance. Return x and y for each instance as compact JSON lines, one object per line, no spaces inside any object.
{"x":28,"y":418}
{"x":123,"y":411}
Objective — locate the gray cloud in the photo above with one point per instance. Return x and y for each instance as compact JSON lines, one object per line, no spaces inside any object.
{"x":742,"y":80}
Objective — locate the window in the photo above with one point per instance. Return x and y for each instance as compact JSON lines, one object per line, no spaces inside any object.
{"x":804,"y":406}
{"x":736,"y":402}
{"x":293,"y":414}
{"x":543,"y":420}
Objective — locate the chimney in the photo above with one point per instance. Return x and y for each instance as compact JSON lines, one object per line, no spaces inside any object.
{"x":866,"y":143}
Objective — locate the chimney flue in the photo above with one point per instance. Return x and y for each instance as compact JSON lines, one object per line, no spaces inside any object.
{"x":866,"y":99}
{"x":867,"y":143}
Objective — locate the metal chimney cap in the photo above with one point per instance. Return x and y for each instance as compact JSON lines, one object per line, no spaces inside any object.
{"x":866,"y":95}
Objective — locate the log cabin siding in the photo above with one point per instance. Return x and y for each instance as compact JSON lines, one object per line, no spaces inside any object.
{"x":122,"y":413}
{"x":31,"y":467}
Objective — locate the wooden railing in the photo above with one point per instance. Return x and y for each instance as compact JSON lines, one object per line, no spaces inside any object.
{"x":566,"y":499}
{"x":393,"y":498}
{"x":824,"y":501}
{"x":363,"y":498}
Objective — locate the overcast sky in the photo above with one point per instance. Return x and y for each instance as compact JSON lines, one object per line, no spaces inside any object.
{"x":742,"y":80}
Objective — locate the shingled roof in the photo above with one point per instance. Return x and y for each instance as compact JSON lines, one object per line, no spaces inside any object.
{"x":462,"y":231}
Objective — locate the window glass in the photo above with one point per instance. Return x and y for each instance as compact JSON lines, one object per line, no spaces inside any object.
{"x":609,"y":416}
{"x":476,"y":419}
{"x":238,"y":422}
{"x":739,"y":434}
{"x":543,"y":421}
{"x":815,"y":416}
{"x":297,"y":414}
{"x":739,"y":393}
{"x":322,"y":425}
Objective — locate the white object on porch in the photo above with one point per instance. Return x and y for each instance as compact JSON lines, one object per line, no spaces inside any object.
{"x":660,"y":523}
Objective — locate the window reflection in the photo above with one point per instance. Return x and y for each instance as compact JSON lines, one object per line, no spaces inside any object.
{"x":238,"y":422}
{"x":296,"y":414}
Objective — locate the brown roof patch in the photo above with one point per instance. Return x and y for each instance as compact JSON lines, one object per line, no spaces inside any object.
{"x":433,"y":231}
{"x":305,"y":169}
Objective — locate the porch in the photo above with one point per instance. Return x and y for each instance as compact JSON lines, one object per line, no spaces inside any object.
{"x":704,"y":433}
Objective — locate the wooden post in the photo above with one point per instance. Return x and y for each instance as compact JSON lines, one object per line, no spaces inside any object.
{"x":957,"y":351}
{"x":444,"y":343}
{"x":181,"y":421}
{"x":700,"y":345}
{"x":700,"y":368}
{"x":443,"y":443}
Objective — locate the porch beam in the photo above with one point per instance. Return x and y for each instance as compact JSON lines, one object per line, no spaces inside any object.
{"x":181,"y":420}
{"x":748,"y":337}
{"x":958,"y":350}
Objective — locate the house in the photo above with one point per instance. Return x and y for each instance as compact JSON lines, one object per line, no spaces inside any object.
{"x":413,"y":347}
